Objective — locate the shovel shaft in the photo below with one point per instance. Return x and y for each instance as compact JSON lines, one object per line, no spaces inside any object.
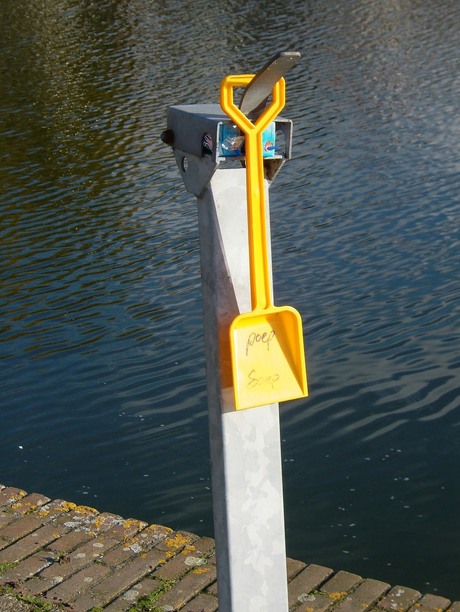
{"x":261,"y":291}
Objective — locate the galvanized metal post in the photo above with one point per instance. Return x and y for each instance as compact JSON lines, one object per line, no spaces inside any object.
{"x":245,"y":445}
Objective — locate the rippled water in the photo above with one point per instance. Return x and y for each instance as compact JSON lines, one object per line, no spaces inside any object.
{"x":102,"y":369}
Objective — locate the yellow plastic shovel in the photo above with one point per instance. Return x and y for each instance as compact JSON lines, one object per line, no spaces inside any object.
{"x":267,"y":350}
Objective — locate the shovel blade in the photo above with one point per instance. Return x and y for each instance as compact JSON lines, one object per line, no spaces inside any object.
{"x":268,"y":358}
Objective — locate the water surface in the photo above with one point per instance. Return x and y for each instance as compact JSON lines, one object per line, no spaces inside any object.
{"x":103,"y":396}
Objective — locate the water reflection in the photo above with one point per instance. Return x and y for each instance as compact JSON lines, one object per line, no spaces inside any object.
{"x":103,"y":393}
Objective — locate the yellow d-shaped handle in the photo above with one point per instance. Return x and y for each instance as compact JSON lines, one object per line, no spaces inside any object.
{"x":261,"y":292}
{"x":241,"y":120}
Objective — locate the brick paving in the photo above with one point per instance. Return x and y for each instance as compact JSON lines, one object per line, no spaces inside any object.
{"x":56,"y":556}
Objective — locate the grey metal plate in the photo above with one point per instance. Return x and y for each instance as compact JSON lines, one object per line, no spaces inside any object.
{"x":259,"y":89}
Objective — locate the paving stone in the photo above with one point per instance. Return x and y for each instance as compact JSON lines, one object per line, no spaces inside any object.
{"x":190,"y":585}
{"x":84,"y":603}
{"x":82,"y":525}
{"x":31,"y":543}
{"x":78,"y":558}
{"x":129,"y":574}
{"x":362,"y":598}
{"x":93,"y":550}
{"x":5,"y":519}
{"x":154,"y":534}
{"x":133,"y":595}
{"x":69,"y":541}
{"x":38,"y":585}
{"x":79,"y":583}
{"x":315,"y":602}
{"x":176,"y":541}
{"x":10,"y":495}
{"x":334,"y":590}
{"x":294,"y":567}
{"x":212,"y":589}
{"x":27,"y":568}
{"x":19,"y":528}
{"x":192,"y":555}
{"x":24,"y":525}
{"x":341,"y":582}
{"x":399,"y":599}
{"x":107,"y":520}
{"x":121,"y":554}
{"x":309,"y":578}
{"x":212,"y":558}
{"x":432,"y":603}
{"x":203,"y":547}
{"x":124,"y":553}
{"x":82,"y":518}
{"x":54,"y":510}
{"x":201,"y":603}
{"x":127,"y":529}
{"x":29,"y":503}
{"x":173,"y":569}
{"x":133,"y":546}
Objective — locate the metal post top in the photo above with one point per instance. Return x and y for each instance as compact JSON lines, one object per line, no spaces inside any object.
{"x":190,"y":122}
{"x":198,"y":129}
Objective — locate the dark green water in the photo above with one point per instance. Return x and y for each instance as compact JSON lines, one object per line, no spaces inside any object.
{"x":102,"y":391}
